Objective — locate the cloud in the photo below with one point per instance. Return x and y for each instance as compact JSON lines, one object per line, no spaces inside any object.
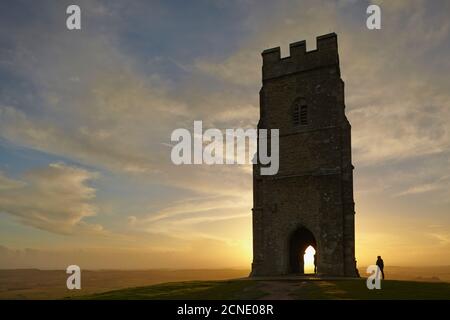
{"x":55,"y":198}
{"x":442,"y":238}
{"x":192,"y":254}
{"x":240,"y":69}
{"x":112,"y":110}
{"x":192,"y":218}
{"x":91,"y":97}
{"x":397,"y":106}
{"x":116,"y":115}
{"x":8,"y":184}
{"x":443,"y":183}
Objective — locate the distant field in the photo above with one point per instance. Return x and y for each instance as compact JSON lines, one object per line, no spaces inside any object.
{"x":51,"y":284}
{"x":428,"y":274}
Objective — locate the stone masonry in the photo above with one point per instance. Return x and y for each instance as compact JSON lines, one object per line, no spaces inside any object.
{"x":310,"y":200}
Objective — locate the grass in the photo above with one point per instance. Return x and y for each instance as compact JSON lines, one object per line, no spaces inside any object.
{"x":198,"y":283}
{"x":301,"y":290}
{"x":189,"y":290}
{"x":356,"y":289}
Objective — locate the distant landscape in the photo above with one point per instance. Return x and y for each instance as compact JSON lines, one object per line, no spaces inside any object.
{"x":51,"y":284}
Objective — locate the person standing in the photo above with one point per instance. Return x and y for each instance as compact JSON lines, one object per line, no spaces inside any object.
{"x":380,"y":264}
{"x":315,"y":262}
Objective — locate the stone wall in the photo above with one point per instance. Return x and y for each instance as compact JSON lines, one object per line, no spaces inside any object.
{"x":313,"y":188}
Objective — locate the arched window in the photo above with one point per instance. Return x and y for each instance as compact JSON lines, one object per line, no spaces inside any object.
{"x":304,"y":115}
{"x":300,"y":112}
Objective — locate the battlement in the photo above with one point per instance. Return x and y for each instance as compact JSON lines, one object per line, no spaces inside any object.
{"x":326,"y":55}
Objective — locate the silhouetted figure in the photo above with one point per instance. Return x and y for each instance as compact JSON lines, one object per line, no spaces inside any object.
{"x":315,"y":263}
{"x":356,"y":269}
{"x":380,"y":264}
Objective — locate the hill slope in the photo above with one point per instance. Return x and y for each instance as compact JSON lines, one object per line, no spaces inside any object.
{"x":278,"y":289}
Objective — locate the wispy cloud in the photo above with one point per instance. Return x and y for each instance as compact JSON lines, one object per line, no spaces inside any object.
{"x":109,"y":97}
{"x":443,"y":183}
{"x":55,"y":198}
{"x":443,"y":238}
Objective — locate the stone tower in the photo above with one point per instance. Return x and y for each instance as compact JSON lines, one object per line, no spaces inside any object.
{"x":310,"y":200}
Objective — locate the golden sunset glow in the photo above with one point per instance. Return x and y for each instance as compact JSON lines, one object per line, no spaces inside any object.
{"x":86,"y":119}
{"x":308,"y":259}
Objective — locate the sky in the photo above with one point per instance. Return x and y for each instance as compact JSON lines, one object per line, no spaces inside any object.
{"x":86,"y":118}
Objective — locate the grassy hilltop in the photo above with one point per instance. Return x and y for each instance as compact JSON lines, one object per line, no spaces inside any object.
{"x":403,"y":283}
{"x":289,"y":289}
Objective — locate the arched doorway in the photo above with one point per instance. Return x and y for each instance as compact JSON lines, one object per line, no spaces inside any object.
{"x":300,"y":239}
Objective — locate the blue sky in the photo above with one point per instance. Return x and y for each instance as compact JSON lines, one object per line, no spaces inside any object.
{"x":85,"y":118}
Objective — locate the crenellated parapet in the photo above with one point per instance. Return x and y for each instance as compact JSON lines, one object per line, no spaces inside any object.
{"x":326,"y":55}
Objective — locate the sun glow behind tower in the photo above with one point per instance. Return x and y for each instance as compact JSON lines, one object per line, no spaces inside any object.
{"x":308,"y":259}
